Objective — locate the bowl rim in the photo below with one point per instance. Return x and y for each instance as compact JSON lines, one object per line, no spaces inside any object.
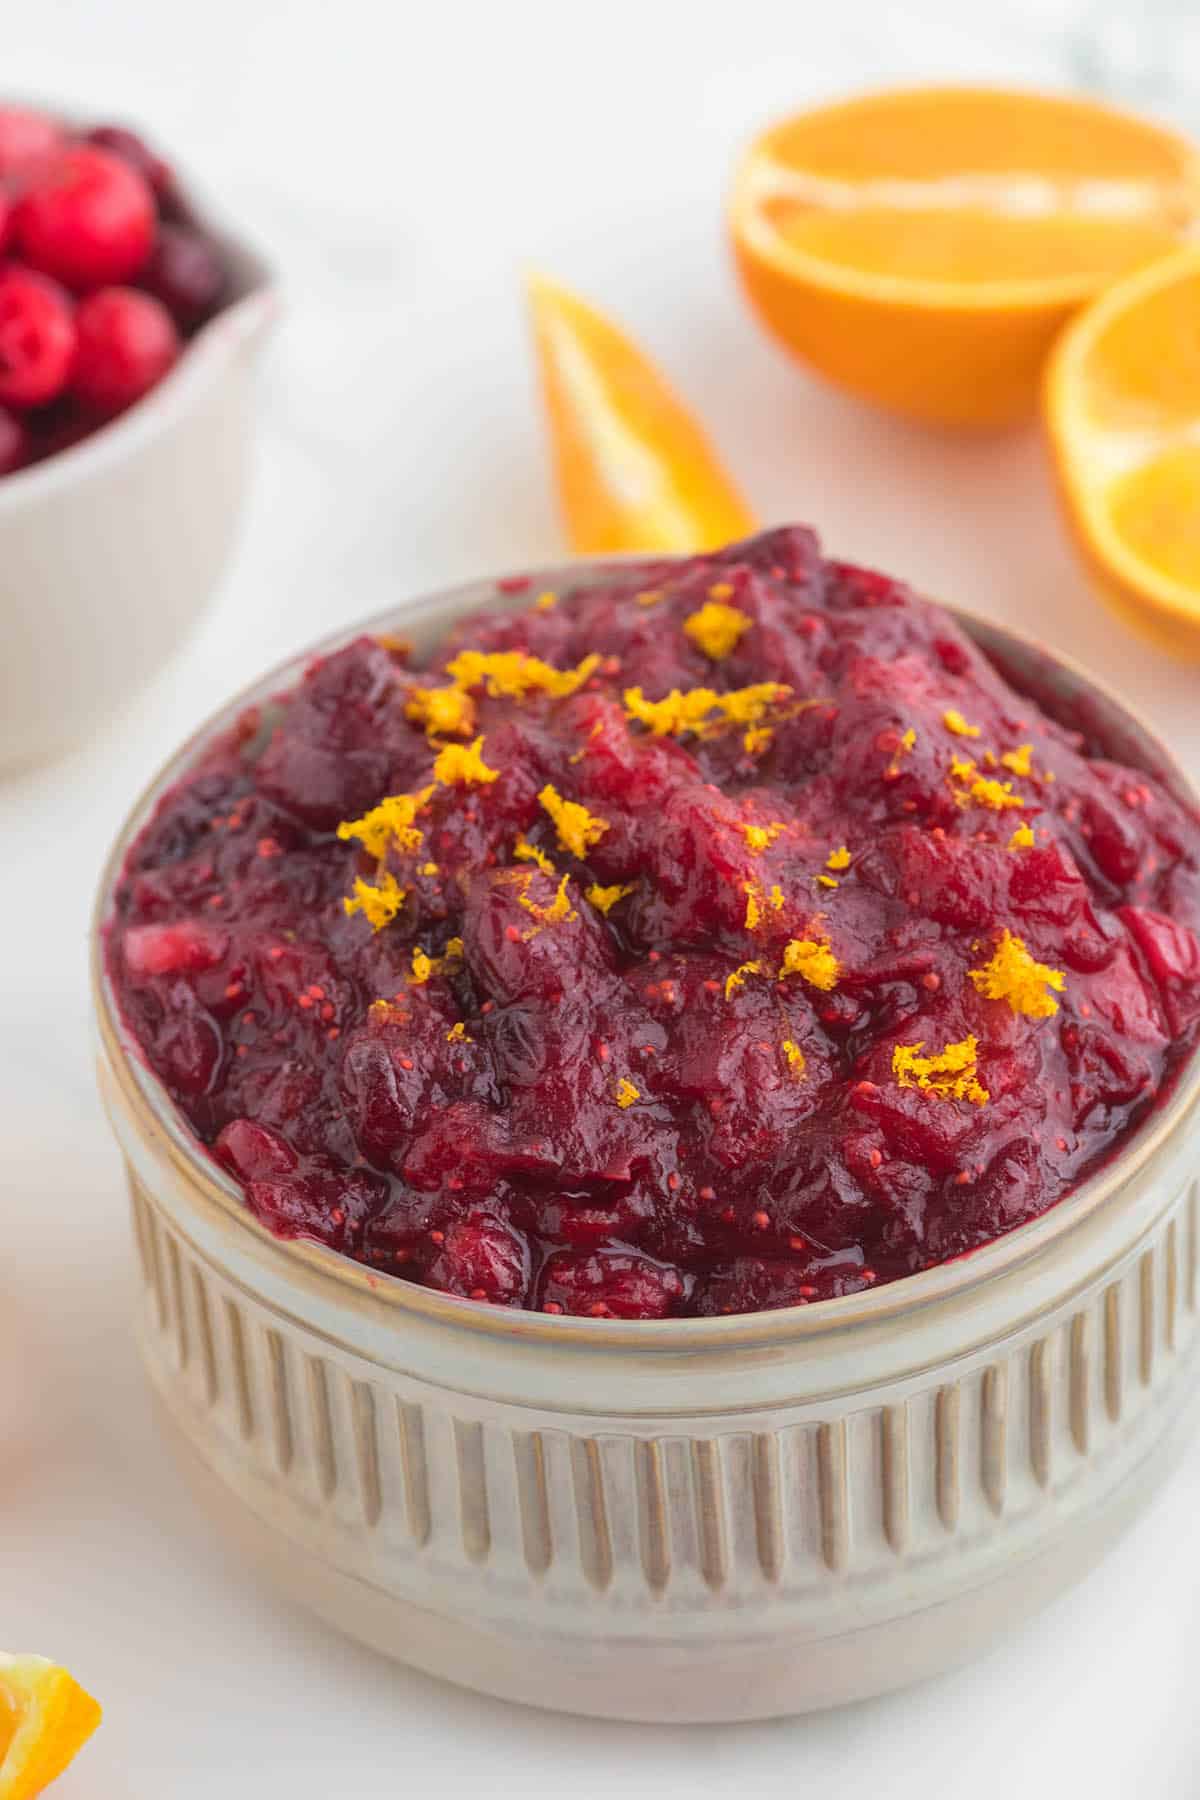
{"x":253,"y":306}
{"x":162,"y":1124}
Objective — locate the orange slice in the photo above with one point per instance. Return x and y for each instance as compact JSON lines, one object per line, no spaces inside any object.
{"x":923,"y":247}
{"x":634,"y":469}
{"x":1123,"y":413}
{"x":45,"y":1719}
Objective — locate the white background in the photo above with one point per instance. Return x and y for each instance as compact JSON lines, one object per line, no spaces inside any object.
{"x":401,"y":164}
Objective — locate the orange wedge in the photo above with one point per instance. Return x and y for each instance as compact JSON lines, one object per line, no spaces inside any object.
{"x":634,"y":469}
{"x":45,"y":1719}
{"x":1123,"y":413}
{"x":923,"y":247}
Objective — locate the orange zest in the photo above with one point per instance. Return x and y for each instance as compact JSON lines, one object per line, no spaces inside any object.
{"x":634,"y":469}
{"x":813,"y":962}
{"x":462,"y":765}
{"x":716,"y":628}
{"x":515,"y":673}
{"x":577,"y":828}
{"x":952,"y":1073}
{"x":378,"y":901}
{"x":1122,"y":407}
{"x":923,"y":247}
{"x":391,"y":822}
{"x":605,"y":898}
{"x":1014,"y":975}
{"x":45,"y":1719}
{"x":737,"y":977}
{"x":679,"y":713}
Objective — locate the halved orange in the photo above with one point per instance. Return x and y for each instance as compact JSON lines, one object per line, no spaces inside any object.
{"x":45,"y":1719}
{"x":1123,"y":413}
{"x":923,"y":247}
{"x":634,"y":469}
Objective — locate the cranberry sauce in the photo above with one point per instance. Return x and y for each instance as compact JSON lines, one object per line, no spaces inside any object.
{"x":728,"y":936}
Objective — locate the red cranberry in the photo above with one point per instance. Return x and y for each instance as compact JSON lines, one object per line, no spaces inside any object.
{"x":37,"y":338}
{"x":186,"y":273}
{"x":58,"y":427}
{"x":14,"y":442}
{"x":136,"y":152}
{"x":26,"y":139}
{"x":86,"y":218}
{"x":127,"y":342}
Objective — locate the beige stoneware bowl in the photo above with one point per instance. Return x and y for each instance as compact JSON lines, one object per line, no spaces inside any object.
{"x":701,"y":1519}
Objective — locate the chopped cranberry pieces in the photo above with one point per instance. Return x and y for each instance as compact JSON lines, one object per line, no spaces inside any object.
{"x":611,"y":1284}
{"x":621,"y":1016}
{"x":482,"y":1258}
{"x":183,"y":948}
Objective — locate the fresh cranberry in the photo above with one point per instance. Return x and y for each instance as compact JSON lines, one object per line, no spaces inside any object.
{"x":186,"y":273}
{"x":26,"y":139}
{"x":58,"y":427}
{"x":14,"y":442}
{"x":135,"y":151}
{"x":86,"y":217}
{"x":37,"y":338}
{"x":127,"y":342}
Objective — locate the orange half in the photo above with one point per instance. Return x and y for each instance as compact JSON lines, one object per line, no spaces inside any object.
{"x":45,"y":1719}
{"x":1123,"y":415}
{"x":923,"y":247}
{"x":634,"y":469}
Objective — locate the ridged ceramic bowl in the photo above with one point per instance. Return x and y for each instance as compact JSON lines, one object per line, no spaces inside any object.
{"x":699,"y":1519}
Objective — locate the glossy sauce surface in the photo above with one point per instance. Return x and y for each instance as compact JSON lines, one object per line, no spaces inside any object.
{"x":733,"y":937}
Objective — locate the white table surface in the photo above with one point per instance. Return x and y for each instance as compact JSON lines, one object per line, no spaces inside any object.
{"x":404,"y":162}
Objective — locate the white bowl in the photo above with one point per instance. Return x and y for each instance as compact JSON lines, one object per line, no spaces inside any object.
{"x":698,"y":1519}
{"x":110,"y":550}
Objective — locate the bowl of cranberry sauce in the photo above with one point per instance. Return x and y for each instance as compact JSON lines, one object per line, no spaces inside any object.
{"x":723,"y":937}
{"x":674,"y":1083}
{"x":128,"y":325}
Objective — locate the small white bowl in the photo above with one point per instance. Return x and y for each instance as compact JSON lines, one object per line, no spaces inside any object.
{"x":110,"y":549}
{"x":690,"y":1519}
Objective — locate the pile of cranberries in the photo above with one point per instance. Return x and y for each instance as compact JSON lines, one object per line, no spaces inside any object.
{"x":102,"y":277}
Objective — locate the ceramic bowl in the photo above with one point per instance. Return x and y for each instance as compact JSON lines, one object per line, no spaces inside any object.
{"x":699,"y":1519}
{"x":110,"y":549}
